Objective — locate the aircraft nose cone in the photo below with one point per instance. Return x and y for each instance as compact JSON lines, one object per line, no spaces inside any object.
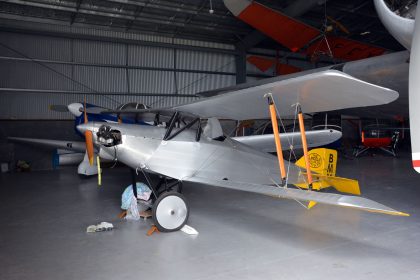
{"x":74,"y":108}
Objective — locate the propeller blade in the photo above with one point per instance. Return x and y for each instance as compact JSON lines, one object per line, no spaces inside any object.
{"x":85,"y":113}
{"x":91,"y":110}
{"x":88,"y":137}
{"x":58,"y":108}
{"x":89,"y":145}
{"x":339,"y":25}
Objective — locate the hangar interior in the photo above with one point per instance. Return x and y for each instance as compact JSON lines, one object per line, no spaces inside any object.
{"x":167,"y":53}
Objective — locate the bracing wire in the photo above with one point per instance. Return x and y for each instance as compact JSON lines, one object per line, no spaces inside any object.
{"x":288,"y":140}
{"x":192,"y":83}
{"x":58,"y":72}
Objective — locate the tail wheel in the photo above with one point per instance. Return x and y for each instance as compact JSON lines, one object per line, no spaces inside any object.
{"x":170,"y":212}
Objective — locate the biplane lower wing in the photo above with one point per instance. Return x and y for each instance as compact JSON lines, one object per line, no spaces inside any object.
{"x":302,"y":195}
{"x":315,"y":92}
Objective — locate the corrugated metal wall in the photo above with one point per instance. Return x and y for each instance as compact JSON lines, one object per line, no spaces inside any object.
{"x":103,"y":67}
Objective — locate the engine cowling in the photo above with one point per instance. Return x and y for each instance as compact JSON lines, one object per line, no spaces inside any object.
{"x":399,"y":21}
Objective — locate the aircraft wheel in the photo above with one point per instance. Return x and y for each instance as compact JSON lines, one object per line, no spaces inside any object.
{"x":170,"y":211}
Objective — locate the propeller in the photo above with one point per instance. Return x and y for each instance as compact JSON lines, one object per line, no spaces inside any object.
{"x":88,"y":137}
{"x":58,"y":108}
{"x":338,"y":25}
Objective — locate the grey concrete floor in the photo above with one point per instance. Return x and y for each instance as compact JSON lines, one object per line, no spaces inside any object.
{"x":44,"y":215}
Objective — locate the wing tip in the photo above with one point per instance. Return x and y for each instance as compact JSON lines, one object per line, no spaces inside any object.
{"x":393,"y":213}
{"x":236,"y":7}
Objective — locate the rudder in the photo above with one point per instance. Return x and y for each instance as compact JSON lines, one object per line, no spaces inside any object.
{"x":323,"y":163}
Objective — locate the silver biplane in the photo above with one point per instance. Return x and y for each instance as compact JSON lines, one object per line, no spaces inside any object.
{"x":193,"y":148}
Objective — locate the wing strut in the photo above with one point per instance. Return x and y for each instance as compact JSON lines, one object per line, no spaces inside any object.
{"x":279,"y":149}
{"x":305,"y":147}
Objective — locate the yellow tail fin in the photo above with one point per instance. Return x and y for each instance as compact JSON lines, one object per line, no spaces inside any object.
{"x":323,"y":164}
{"x":322,"y":161}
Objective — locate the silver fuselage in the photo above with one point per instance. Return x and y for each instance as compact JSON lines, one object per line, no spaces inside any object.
{"x":183,"y":157}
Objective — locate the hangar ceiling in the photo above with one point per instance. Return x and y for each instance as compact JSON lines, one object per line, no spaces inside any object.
{"x":192,"y":20}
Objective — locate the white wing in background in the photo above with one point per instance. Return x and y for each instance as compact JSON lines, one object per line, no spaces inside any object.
{"x":265,"y":142}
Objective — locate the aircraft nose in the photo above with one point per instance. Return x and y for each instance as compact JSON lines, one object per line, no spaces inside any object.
{"x":76,"y":109}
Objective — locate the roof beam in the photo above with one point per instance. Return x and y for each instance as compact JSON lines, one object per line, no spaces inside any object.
{"x":90,"y":37}
{"x":88,"y":9}
{"x":74,"y":15}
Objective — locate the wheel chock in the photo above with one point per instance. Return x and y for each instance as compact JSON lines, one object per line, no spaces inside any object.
{"x":152,"y":230}
{"x":122,"y":214}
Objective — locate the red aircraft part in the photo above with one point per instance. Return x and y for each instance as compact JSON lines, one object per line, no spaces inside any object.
{"x":345,"y":49}
{"x":296,"y":35}
{"x":284,"y":69}
{"x":285,"y":30}
{"x":377,"y":142}
{"x":263,"y":64}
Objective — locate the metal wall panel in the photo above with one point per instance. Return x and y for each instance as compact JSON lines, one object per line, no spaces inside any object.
{"x":99,"y":52}
{"x":196,"y":60}
{"x":29,"y":75}
{"x":191,"y":83}
{"x":101,"y":79}
{"x":146,"y":81}
{"x":33,"y":46}
{"x":150,"y":56}
{"x":112,"y":79}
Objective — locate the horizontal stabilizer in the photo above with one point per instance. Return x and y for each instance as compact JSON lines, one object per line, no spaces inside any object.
{"x":302,"y":195}
{"x":343,"y":185}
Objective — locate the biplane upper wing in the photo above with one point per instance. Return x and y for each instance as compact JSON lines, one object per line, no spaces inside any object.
{"x":302,"y":195}
{"x":315,"y":92}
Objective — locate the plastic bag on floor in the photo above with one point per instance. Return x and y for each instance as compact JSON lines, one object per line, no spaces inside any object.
{"x":133,"y":211}
{"x":103,"y":226}
{"x":143,"y":193}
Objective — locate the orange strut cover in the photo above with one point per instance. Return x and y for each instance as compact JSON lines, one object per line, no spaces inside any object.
{"x":305,"y":148}
{"x":277,"y":140}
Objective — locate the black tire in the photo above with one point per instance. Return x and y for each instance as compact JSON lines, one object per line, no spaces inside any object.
{"x":180,"y":214}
